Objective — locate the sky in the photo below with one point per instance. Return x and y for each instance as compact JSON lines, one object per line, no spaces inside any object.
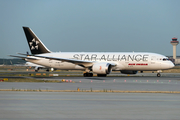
{"x":91,"y":25}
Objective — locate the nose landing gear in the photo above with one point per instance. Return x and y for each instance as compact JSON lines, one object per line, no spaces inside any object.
{"x":159,"y":73}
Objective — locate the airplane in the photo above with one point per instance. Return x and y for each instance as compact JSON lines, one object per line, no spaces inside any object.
{"x":38,"y":67}
{"x":100,"y":63}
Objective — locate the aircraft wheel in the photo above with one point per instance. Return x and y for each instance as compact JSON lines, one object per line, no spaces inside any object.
{"x":85,"y":74}
{"x":88,"y":74}
{"x":158,"y":75}
{"x":36,"y":70}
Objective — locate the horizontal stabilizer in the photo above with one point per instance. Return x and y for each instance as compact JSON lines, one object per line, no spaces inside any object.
{"x":18,"y":57}
{"x":32,"y":58}
{"x":24,"y":54}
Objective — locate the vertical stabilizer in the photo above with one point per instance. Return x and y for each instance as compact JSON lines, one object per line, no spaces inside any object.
{"x":35,"y":44}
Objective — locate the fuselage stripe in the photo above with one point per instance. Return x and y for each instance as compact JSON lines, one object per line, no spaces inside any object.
{"x":138,"y":64}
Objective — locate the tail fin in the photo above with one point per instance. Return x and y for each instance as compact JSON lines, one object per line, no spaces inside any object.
{"x":35,"y":44}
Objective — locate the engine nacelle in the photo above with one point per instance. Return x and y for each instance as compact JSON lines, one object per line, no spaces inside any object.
{"x":37,"y":68}
{"x":102,"y":68}
{"x":129,"y":72}
{"x":52,"y":69}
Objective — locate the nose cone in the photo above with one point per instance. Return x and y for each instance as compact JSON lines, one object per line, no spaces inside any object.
{"x":171,"y":65}
{"x":167,"y":65}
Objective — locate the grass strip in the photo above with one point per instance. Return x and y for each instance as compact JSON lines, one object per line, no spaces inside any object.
{"x":30,"y":80}
{"x":107,"y":91}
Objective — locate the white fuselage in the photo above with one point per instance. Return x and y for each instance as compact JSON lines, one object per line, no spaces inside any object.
{"x":139,"y":61}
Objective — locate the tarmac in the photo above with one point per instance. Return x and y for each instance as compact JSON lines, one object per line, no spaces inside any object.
{"x":170,"y":82}
{"x":88,"y":106}
{"x":16,"y":105}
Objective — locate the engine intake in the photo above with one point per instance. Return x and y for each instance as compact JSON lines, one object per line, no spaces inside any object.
{"x":102,"y":68}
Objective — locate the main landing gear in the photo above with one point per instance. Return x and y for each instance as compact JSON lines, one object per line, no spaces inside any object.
{"x":91,"y":75}
{"x":88,"y":74}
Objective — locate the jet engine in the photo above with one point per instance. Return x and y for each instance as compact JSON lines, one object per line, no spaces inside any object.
{"x":102,"y":68}
{"x":37,"y":68}
{"x":129,"y":72}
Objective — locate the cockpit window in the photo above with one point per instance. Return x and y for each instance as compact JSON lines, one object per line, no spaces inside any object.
{"x":165,"y":59}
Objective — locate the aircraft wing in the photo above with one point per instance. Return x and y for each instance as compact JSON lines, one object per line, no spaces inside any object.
{"x":74,"y":61}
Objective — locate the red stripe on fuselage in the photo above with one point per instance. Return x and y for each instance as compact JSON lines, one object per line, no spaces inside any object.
{"x":143,"y":64}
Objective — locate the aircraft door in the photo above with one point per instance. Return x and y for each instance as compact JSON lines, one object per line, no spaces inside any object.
{"x":154,"y":62}
{"x":58,"y":64}
{"x":153,"y":59}
{"x":50,"y":63}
